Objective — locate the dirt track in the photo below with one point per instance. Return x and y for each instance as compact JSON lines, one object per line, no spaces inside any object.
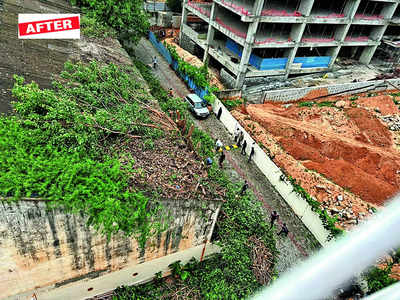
{"x":300,"y":242}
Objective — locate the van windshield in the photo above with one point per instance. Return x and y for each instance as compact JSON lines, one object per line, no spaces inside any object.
{"x":199,"y":105}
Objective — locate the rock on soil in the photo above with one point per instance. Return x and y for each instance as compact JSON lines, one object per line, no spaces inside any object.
{"x":343,"y":150}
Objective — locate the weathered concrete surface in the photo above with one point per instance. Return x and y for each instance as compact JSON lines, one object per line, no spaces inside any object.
{"x":39,"y":60}
{"x":42,"y":248}
{"x":145,"y":272}
{"x":51,"y":248}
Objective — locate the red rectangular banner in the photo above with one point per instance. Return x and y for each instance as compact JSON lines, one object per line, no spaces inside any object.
{"x":47,"y":26}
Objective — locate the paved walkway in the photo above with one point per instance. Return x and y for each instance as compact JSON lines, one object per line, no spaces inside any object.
{"x":300,"y":242}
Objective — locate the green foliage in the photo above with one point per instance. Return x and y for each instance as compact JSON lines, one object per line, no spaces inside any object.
{"x":327,"y":221}
{"x":378,"y":279}
{"x":227,"y":275}
{"x":199,"y":75}
{"x":177,"y":270}
{"x":326,"y":103}
{"x":232,"y":104}
{"x":87,"y":110}
{"x":306,"y":104}
{"x":126,"y":17}
{"x":352,"y":98}
{"x":91,"y":27}
{"x":175,"y":5}
{"x":57,"y":147}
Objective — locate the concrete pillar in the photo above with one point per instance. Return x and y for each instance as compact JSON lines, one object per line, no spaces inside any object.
{"x":248,"y":45}
{"x":367,"y":54}
{"x":306,"y":7}
{"x":292,"y":55}
{"x":210,"y":38}
{"x":351,"y":8}
{"x":333,"y":52}
{"x":341,"y":32}
{"x":210,"y":32}
{"x":389,"y":10}
{"x":377,"y":32}
{"x":296,"y":34}
{"x":184,"y":19}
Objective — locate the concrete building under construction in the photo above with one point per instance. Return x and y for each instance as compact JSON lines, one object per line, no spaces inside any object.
{"x":285,"y":37}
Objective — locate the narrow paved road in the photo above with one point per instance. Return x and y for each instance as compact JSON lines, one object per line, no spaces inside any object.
{"x":300,"y":243}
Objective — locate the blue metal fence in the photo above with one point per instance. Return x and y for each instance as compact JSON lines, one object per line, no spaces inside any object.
{"x":160,"y":47}
{"x":164,"y":52}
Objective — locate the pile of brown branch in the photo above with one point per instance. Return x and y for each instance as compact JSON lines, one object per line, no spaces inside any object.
{"x":263,"y":262}
{"x":181,"y":292}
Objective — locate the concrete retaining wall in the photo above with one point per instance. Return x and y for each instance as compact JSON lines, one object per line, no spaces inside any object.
{"x":310,"y":219}
{"x":42,"y":248}
{"x":227,"y":79}
{"x":288,"y":95}
{"x":186,"y":43}
{"x":226,"y":94}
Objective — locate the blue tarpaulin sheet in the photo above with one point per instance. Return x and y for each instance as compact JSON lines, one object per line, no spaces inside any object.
{"x":313,"y":61}
{"x":258,"y":62}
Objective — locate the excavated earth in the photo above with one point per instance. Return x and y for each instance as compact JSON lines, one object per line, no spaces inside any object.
{"x":344,"y":153}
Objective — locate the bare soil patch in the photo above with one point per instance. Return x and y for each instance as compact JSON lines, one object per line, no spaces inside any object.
{"x":339,"y":147}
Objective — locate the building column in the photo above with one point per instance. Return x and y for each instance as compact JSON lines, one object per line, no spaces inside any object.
{"x":306,"y":7}
{"x":248,"y":45}
{"x":389,"y":10}
{"x":184,"y":19}
{"x":333,"y":53}
{"x":210,"y":32}
{"x":367,"y":54}
{"x":296,"y":34}
{"x":377,"y":33}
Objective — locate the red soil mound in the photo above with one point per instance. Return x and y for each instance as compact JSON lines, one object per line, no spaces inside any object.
{"x":345,"y":174}
{"x":350,"y":146}
{"x":384,"y":103}
{"x":301,"y":151}
{"x":371,"y":128}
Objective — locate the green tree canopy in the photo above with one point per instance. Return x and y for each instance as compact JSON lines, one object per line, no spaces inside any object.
{"x":127,"y":17}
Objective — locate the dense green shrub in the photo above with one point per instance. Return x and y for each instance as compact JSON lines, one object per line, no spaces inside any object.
{"x":227,"y":275}
{"x":126,"y":17}
{"x":199,"y":75}
{"x":379,"y":278}
{"x":58,"y":147}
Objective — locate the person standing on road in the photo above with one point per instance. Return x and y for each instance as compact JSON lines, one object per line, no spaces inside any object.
{"x":274,"y":217}
{"x":236,"y":132}
{"x":218,"y":144}
{"x":155,"y":62}
{"x":284,"y":230}
{"x":221,"y":159}
{"x":251,"y":151}
{"x":241,"y":137}
{"x":243,"y":152}
{"x":219,"y":113}
{"x":244,"y":188}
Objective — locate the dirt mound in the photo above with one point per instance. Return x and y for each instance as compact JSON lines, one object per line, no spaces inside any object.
{"x":383,"y":103}
{"x":348,"y":176}
{"x":346,"y":143}
{"x":372,"y":130}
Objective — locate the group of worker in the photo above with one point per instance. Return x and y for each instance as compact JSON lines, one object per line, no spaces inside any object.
{"x":274,"y":215}
{"x":241,"y":142}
